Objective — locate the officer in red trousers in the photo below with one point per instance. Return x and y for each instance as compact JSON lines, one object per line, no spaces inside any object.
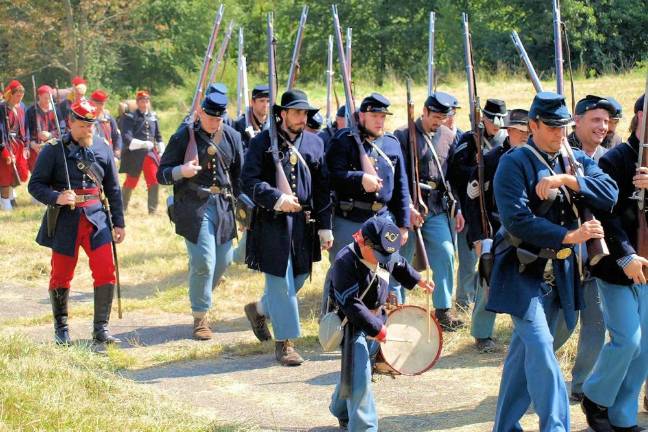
{"x":76,"y":217}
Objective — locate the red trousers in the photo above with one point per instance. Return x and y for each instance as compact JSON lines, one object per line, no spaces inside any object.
{"x":6,"y":170}
{"x":101,"y":261}
{"x":150,"y":167}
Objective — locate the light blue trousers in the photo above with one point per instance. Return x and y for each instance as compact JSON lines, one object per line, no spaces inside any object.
{"x":437,"y":238}
{"x":483,"y":321}
{"x":360,"y":409}
{"x":622,"y":366}
{"x":531,"y":372}
{"x":467,"y":276}
{"x":239,"y":251}
{"x":280,"y":303}
{"x":208,"y":260}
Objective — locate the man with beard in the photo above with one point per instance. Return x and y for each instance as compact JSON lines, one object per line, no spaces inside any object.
{"x":202,"y":193}
{"x":516,"y":124}
{"x":360,"y":195}
{"x":289,"y":227}
{"x":13,"y":143}
{"x":612,"y":138}
{"x":257,"y":115}
{"x":76,"y":217}
{"x":106,"y":128}
{"x":41,"y":123}
{"x":434,"y":147}
{"x":141,"y":152}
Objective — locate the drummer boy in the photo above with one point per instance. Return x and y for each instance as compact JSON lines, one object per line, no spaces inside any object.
{"x":359,"y":287}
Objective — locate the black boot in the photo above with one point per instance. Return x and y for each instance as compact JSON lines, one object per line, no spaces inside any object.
{"x":103,"y":297}
{"x":126,"y":196}
{"x":153,"y":198}
{"x":59,"y":300}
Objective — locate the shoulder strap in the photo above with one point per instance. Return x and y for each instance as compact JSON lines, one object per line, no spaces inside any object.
{"x":436,"y":160}
{"x":383,"y":155}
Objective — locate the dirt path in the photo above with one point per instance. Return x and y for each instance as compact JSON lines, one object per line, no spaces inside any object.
{"x":459,"y":394}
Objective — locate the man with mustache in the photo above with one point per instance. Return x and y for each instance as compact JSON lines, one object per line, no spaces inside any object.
{"x":82,"y":219}
{"x":290,"y":227}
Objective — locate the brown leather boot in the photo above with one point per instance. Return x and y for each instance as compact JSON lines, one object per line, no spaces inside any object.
{"x":201,"y":330}
{"x":258,"y":322}
{"x":447,"y":321}
{"x":286,"y":354}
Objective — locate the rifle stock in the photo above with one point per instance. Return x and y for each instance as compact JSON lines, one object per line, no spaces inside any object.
{"x":294,"y":63}
{"x":642,"y":205}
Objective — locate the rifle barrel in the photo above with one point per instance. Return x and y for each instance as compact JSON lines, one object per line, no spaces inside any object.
{"x":221,"y":52}
{"x":560,"y":89}
{"x":527,"y":62}
{"x":329,"y":78}
{"x":431,"y":55}
{"x":294,"y":63}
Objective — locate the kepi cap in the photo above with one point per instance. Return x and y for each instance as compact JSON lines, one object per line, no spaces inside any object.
{"x":551,"y":109}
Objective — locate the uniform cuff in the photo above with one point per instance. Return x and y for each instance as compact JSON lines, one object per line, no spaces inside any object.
{"x":626,"y":260}
{"x":176,"y":173}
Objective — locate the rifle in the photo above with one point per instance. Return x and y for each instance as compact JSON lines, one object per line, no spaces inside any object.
{"x":329,"y":80}
{"x":640,"y":194}
{"x":280,"y":175}
{"x":527,"y":62}
{"x":221,"y":52}
{"x":239,"y":76}
{"x":8,"y":145}
{"x":365,"y":162}
{"x":596,"y":248}
{"x":294,"y":63}
{"x":192,"y":151}
{"x":38,"y":127}
{"x":349,"y":40}
{"x":246,"y":100}
{"x":431,"y":56}
{"x":420,"y":257}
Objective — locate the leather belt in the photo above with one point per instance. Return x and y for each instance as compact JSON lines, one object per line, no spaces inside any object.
{"x":546,"y":253}
{"x":373,"y":206}
{"x":85,"y":198}
{"x":211,"y":190}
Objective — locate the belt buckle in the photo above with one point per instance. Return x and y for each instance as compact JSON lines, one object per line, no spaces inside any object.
{"x":214,"y":189}
{"x":375,"y":206}
{"x":563,"y":253}
{"x":433,"y":185}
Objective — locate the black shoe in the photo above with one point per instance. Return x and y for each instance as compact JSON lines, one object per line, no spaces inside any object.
{"x":59,"y":299}
{"x":447,"y":321}
{"x":343,"y":424}
{"x":103,"y":297}
{"x":576,"y":397}
{"x":258,"y":322}
{"x":596,"y":415}
{"x":485,"y":345}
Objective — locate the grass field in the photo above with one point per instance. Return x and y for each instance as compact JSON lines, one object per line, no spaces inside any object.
{"x":39,"y":381}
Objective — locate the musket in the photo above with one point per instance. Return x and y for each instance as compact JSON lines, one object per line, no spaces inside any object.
{"x":640,"y":193}
{"x":221,"y":52}
{"x":527,"y":62}
{"x":8,"y":142}
{"x":349,"y":40}
{"x":430,"y":74}
{"x":475,"y":122}
{"x":239,"y":76}
{"x":596,"y":248}
{"x":192,"y":151}
{"x":329,"y":80}
{"x":294,"y":63}
{"x":365,"y":162}
{"x":38,"y":127}
{"x":246,"y":100}
{"x":280,"y":175}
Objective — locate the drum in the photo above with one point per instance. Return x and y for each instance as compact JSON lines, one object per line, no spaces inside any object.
{"x":408,"y":349}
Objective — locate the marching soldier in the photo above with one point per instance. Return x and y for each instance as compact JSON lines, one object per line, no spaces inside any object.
{"x":77,"y":218}
{"x":106,"y":128}
{"x":141,"y":151}
{"x":359,"y":279}
{"x":360,"y":195}
{"x":203,"y":193}
{"x":41,"y":123}
{"x":516,"y":125}
{"x":257,"y":115}
{"x":330,"y":130}
{"x":612,"y":137}
{"x":535,"y":276}
{"x":14,"y":147}
{"x":434,"y":147}
{"x":283,"y":242}
{"x":612,"y":389}
{"x":222,"y":89}
{"x":79,"y":89}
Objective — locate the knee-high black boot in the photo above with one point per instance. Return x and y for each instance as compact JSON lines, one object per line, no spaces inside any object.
{"x":103,"y":297}
{"x":153,"y":193}
{"x":59,"y":299}
{"x":126,"y":196}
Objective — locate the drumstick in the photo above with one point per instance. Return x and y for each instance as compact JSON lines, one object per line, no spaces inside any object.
{"x":399,"y":340}
{"x":429,"y":298}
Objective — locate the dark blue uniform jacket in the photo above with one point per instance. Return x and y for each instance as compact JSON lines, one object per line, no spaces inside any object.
{"x":144,"y":127}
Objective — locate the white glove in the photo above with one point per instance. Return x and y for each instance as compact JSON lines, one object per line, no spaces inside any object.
{"x":325,"y":235}
{"x":149,"y":145}
{"x":161,"y":146}
{"x":137,"y":144}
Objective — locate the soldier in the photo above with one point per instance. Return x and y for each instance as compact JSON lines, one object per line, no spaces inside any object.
{"x":314,"y":123}
{"x":612,"y":137}
{"x":516,"y":125}
{"x":106,"y":128}
{"x":76,"y":217}
{"x":359,"y":278}
{"x":283,"y":242}
{"x":257,"y":115}
{"x":79,"y":89}
{"x":41,"y":123}
{"x":434,"y":146}
{"x":222,"y":89}
{"x":331,"y":129}
{"x":612,"y":389}
{"x":450,"y":122}
{"x":141,"y":151}
{"x":534,"y":274}
{"x":203,"y":192}
{"x":462,"y":163}
{"x":14,"y":146}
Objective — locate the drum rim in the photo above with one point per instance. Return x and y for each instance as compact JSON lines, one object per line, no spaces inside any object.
{"x":438,"y":354}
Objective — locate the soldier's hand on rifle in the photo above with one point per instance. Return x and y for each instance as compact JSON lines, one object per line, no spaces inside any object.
{"x":589,"y":230}
{"x":119,"y":233}
{"x":44,"y":135}
{"x":416,"y":219}
{"x":426,"y":286}
{"x":290,"y":204}
{"x":190,"y":168}
{"x":371,"y":183}
{"x":67,"y":197}
{"x":460,"y":222}
{"x":635,"y":269}
{"x":404,"y":235}
{"x":641,"y":179}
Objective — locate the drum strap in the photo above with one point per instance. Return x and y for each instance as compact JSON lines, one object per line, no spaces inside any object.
{"x":373,"y":278}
